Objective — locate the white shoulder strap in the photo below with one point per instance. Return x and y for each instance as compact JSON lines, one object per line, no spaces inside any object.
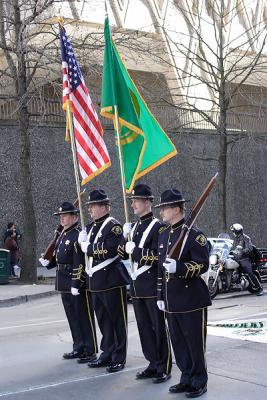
{"x":146,"y":232}
{"x":107,"y":220}
{"x":133,"y":230}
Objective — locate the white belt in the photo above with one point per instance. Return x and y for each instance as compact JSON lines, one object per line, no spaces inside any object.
{"x":140,"y":271}
{"x":91,"y":270}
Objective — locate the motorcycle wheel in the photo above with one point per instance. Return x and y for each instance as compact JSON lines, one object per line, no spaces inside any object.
{"x":251,"y":289}
{"x":213,"y":289}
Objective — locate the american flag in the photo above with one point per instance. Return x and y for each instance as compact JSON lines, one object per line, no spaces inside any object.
{"x":92,"y":152}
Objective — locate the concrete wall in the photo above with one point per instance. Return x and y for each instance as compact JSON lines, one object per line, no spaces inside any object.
{"x":53,"y":179}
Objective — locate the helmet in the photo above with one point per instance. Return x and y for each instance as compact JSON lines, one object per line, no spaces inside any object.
{"x":236,"y":229}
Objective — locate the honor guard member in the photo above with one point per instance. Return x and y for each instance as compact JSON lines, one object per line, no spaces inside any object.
{"x":184,"y":295}
{"x":107,"y":280}
{"x":242,"y":249}
{"x":71,"y":283}
{"x":142,"y":248}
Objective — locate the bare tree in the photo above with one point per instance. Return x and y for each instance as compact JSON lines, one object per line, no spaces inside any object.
{"x":27,"y":64}
{"x":217,"y":51}
{"x":30,"y":78}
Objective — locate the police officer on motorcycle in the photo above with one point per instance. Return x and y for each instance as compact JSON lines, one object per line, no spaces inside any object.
{"x":242,"y":250}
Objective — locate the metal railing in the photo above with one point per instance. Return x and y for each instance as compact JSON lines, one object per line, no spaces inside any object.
{"x":50,"y":112}
{"x":178,"y":119}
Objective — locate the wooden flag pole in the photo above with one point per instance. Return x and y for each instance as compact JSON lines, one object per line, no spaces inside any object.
{"x":88,"y":261}
{"x":75,"y":164}
{"x":117,"y":129}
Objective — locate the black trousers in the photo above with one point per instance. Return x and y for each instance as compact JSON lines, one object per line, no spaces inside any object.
{"x":80,"y":315}
{"x":153,"y":334}
{"x":188,"y":336}
{"x":111,"y":313}
{"x":246,"y":268}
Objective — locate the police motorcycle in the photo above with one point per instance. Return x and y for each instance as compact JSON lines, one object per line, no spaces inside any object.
{"x":224,"y":272}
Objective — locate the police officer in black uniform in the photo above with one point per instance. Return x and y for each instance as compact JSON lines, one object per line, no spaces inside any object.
{"x":142,"y":248}
{"x":107,"y":280}
{"x":183,"y":295}
{"x":242,"y":249}
{"x":71,"y":283}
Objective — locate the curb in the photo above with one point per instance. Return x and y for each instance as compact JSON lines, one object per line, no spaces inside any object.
{"x":14,"y":301}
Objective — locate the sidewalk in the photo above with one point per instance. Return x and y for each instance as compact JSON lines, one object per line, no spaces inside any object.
{"x":15,"y":293}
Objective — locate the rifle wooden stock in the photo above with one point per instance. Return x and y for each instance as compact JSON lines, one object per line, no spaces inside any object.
{"x":175,"y":251}
{"x":49,"y":252}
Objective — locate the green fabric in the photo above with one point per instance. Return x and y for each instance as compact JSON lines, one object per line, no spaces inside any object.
{"x":144,"y":144}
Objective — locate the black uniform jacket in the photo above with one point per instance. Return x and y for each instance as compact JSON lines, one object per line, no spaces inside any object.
{"x":245,"y":243}
{"x":69,"y":260}
{"x":145,"y":284}
{"x":185,"y":290}
{"x":115,"y":274}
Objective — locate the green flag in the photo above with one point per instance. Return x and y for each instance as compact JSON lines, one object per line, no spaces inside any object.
{"x":144,"y":144}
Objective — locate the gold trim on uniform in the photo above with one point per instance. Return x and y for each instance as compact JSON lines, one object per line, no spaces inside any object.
{"x":124,"y":313}
{"x":91,"y":322}
{"x":163,"y":228}
{"x":194,"y":268}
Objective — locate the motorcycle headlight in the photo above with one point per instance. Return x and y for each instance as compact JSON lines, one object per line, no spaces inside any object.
{"x":213,"y":259}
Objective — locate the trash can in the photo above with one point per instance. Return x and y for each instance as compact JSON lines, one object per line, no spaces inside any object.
{"x":5,"y":270}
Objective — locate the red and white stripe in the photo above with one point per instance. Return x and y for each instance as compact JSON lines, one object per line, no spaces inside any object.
{"x":66,"y":89}
{"x":92,"y":152}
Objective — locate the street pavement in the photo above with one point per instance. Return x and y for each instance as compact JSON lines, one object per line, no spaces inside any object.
{"x":34,"y":335}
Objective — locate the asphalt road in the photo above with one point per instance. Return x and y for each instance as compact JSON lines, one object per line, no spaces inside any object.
{"x":33,"y":337}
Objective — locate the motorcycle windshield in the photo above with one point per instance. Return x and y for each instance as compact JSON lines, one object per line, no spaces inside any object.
{"x":222,"y":248}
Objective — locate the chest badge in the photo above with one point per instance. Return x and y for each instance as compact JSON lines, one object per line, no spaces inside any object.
{"x":67,"y":242}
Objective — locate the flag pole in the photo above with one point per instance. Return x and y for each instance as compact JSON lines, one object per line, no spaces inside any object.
{"x":121,"y":164}
{"x":88,"y":261}
{"x":117,"y":129}
{"x":75,"y":163}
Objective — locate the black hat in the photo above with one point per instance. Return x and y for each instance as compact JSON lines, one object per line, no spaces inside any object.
{"x":67,"y":208}
{"x":170,"y":196}
{"x":97,"y":196}
{"x":141,"y":191}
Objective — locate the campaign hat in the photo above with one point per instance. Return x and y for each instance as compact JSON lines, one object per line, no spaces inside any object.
{"x":97,"y":196}
{"x":67,"y":208}
{"x":141,"y":191}
{"x":169,"y":197}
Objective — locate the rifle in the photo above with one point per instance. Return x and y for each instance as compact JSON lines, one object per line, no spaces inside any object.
{"x":178,"y":246}
{"x":49,"y":252}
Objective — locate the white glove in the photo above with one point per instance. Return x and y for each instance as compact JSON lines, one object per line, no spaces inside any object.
{"x":129,"y":247}
{"x":82,"y":236}
{"x":161,"y":305}
{"x":74,"y":291}
{"x":84,"y":246}
{"x":127,"y":227}
{"x":170,"y":265}
{"x":44,"y":262}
